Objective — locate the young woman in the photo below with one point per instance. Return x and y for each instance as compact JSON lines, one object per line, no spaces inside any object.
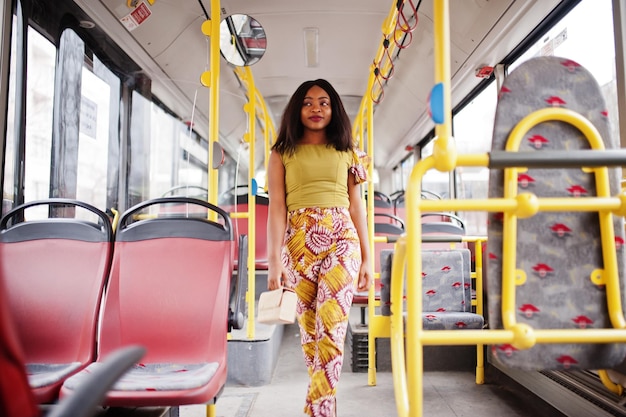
{"x":317,"y":230}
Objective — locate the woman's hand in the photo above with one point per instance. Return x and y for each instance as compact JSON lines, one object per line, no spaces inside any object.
{"x":365,"y":277}
{"x":276,"y":278}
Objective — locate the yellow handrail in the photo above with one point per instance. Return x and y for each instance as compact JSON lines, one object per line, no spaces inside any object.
{"x":211,"y":80}
{"x":444,"y":149}
{"x":364,"y":125}
{"x":528,"y":206}
{"x":245,"y":74}
{"x":408,"y":387}
{"x":520,"y":335}
{"x":398,"y":361}
{"x":116,"y":219}
{"x":255,"y":106}
{"x":609,"y":384}
{"x":269,"y":131}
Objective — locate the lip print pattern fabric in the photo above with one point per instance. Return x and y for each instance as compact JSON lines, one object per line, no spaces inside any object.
{"x":556,"y":250}
{"x":446,"y":289}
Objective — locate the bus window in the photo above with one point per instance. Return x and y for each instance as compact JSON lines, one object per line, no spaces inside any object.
{"x":401,"y":174}
{"x":85,"y":139}
{"x":585,"y":35}
{"x":41,"y":53}
{"x":164,"y":153}
{"x":93,"y":138}
{"x":77,"y":158}
{"x":192,"y":166}
{"x":9,"y":186}
{"x":39,"y":102}
{"x":473,"y":129}
{"x":435,"y":181}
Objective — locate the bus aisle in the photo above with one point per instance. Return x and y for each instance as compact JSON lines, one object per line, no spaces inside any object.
{"x":447,"y":394}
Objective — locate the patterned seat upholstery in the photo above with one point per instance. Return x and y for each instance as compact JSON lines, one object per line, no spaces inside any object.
{"x":557,"y":252}
{"x":446,"y":284}
{"x":391,"y":228}
{"x":161,"y":376}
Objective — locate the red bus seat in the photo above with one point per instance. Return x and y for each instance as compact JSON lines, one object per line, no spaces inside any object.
{"x":236,"y":201}
{"x":191,"y":191}
{"x":399,"y":207}
{"x":382,"y":204}
{"x":169,"y":291}
{"x":55,"y":270}
{"x":387,"y":225}
{"x":16,"y":396}
{"x":439,"y":231}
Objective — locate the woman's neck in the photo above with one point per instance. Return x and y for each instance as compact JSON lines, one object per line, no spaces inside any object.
{"x":313,"y":138}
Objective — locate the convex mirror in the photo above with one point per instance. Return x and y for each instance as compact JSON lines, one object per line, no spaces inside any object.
{"x":242,"y":40}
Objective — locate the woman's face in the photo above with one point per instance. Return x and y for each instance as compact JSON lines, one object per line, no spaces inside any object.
{"x":316,"y":112}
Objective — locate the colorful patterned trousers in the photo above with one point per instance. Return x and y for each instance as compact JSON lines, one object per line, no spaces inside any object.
{"x":322,"y":254}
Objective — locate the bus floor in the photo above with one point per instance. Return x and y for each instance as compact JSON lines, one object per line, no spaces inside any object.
{"x":446,"y":393}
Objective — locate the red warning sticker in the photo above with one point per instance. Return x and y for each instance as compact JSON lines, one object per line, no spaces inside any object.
{"x":135,"y":18}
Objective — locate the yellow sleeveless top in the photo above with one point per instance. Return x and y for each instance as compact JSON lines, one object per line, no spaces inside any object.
{"x":317,"y":176}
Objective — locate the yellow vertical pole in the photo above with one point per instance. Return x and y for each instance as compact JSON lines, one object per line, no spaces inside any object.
{"x":247,"y":79}
{"x":444,"y":159}
{"x":480,"y":356}
{"x":414,"y":330}
{"x":366,"y":110}
{"x":444,"y":149}
{"x":250,"y":108}
{"x":268,"y":134}
{"x":371,"y":340}
{"x":211,"y":79}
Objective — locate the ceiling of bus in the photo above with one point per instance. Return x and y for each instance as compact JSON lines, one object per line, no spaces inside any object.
{"x":172,"y":48}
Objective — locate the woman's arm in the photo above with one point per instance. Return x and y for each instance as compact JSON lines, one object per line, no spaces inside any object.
{"x":277,"y":221}
{"x":359,"y":218}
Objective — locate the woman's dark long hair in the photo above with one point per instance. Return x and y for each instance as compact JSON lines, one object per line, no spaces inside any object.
{"x":338,"y":131}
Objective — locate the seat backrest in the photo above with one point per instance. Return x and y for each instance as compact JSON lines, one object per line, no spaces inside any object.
{"x":16,"y":396}
{"x":382,"y":205}
{"x":446,"y":281}
{"x":191,"y":191}
{"x":399,"y":204}
{"x":169,"y":288}
{"x":443,"y":225}
{"x":387,"y":225}
{"x":444,"y":233}
{"x":55,"y":270}
{"x":556,"y":252}
{"x":238,"y":203}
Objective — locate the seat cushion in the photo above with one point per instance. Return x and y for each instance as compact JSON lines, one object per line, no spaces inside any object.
{"x":44,"y":374}
{"x":155,"y":377}
{"x":452,"y":320}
